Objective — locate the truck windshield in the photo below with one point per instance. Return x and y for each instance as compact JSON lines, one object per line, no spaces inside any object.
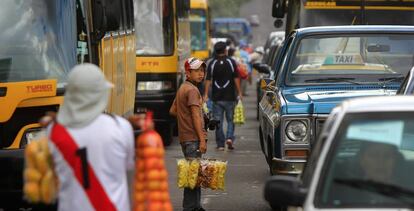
{"x":37,"y":40}
{"x":154,"y":27}
{"x":198,"y":29}
{"x":359,"y":58}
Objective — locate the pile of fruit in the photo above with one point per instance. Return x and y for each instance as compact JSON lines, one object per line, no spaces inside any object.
{"x":205,"y":173}
{"x":40,"y":181}
{"x":151,"y":177}
{"x":238,"y":117}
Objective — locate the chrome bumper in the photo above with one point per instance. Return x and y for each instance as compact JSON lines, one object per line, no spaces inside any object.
{"x":280,"y":166}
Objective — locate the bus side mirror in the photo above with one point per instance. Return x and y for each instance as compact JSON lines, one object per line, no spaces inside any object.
{"x":278,"y":8}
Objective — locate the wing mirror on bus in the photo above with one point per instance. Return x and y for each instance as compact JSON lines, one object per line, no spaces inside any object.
{"x":262,"y":68}
{"x":284,"y":191}
{"x":267,"y":84}
{"x":378,"y":48}
{"x":278,"y":8}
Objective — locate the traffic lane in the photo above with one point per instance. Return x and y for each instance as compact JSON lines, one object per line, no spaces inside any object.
{"x":246,"y":172}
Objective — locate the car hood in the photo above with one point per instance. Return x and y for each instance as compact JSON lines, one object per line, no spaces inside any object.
{"x":323,"y":101}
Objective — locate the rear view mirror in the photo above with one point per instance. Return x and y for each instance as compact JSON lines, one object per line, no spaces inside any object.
{"x":278,"y":8}
{"x":284,"y":191}
{"x":262,"y":68}
{"x":378,"y":48}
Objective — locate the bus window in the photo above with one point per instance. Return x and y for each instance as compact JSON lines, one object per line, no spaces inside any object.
{"x":154,"y":27}
{"x":198,"y":29}
{"x":37,"y":40}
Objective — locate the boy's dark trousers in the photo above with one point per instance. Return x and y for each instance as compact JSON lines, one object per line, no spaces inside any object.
{"x":192,"y":197}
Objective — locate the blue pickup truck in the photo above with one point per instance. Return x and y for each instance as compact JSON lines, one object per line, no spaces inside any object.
{"x":320,"y":67}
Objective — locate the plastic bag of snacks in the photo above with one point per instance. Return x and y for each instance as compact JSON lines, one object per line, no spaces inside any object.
{"x":238,"y":117}
{"x":182,"y":169}
{"x":40,"y":181}
{"x":204,"y":173}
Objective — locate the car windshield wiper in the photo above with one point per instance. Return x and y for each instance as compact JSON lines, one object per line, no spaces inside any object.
{"x":389,"y":190}
{"x":387,"y":80}
{"x":336,"y":79}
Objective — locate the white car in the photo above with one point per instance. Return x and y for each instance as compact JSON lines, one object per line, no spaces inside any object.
{"x":363,"y":160}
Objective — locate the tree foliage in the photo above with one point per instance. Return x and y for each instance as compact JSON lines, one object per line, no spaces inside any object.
{"x":226,"y":8}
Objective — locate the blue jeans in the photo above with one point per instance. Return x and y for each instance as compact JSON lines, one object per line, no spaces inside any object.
{"x":221,"y":108}
{"x":192,"y":197}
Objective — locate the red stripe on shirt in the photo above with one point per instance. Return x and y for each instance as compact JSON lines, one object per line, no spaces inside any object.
{"x":68,"y":147}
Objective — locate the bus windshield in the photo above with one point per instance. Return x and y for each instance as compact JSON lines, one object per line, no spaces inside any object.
{"x":380,"y":12}
{"x":360,"y":58}
{"x":198,"y":29}
{"x":37,"y":40}
{"x":154,"y":27}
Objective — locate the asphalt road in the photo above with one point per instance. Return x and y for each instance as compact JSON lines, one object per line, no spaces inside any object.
{"x":246,"y":172}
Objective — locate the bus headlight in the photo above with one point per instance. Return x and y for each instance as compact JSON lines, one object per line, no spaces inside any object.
{"x":297,"y":131}
{"x":154,"y":85}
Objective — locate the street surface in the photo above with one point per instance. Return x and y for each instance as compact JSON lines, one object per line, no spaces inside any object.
{"x":246,"y":170}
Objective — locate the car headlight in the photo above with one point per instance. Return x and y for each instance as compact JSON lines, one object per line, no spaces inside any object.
{"x":154,"y":85}
{"x":296,"y":130}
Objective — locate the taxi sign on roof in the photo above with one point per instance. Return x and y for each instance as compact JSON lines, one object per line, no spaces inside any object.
{"x":343,"y":59}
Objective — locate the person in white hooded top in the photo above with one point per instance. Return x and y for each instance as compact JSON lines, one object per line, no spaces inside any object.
{"x":92,"y":151}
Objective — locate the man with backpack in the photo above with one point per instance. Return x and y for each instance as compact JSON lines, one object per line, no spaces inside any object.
{"x":222,"y":75}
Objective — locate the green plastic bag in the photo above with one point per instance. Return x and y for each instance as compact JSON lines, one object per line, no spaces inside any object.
{"x":238,"y":117}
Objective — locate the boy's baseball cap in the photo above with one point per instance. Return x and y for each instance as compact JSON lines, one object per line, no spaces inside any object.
{"x":193,"y":64}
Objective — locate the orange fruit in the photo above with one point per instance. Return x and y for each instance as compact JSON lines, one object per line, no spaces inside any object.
{"x":140,"y":166}
{"x":155,"y":196}
{"x":154,"y":175}
{"x":153,"y":185}
{"x":164,"y":186}
{"x":164,"y":175}
{"x":150,"y":152}
{"x":152,"y":163}
{"x":139,"y":186}
{"x":155,"y":206}
{"x":166,"y":206}
{"x":140,"y":197}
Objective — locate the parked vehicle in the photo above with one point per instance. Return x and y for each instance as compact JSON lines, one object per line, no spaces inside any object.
{"x":233,"y":28}
{"x":364,"y":159}
{"x":269,"y":62}
{"x":319,"y":68}
{"x":407,"y":86}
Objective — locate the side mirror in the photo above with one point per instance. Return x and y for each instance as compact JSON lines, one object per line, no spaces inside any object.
{"x":266,"y":82}
{"x":262,"y":68}
{"x":284,"y":191}
{"x":278,"y":8}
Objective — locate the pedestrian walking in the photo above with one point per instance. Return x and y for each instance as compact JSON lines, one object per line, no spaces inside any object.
{"x":222,"y":74}
{"x":187,"y":107}
{"x":92,"y":151}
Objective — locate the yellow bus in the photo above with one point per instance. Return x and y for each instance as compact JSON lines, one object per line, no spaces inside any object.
{"x":304,"y":13}
{"x":162,"y":43}
{"x":40,"y":42}
{"x":200,"y":29}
